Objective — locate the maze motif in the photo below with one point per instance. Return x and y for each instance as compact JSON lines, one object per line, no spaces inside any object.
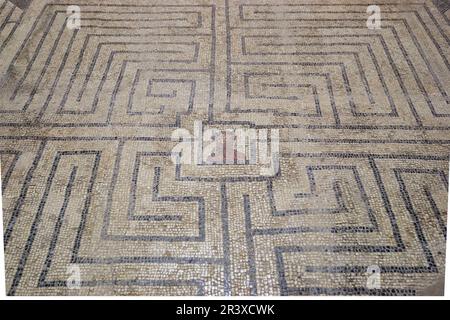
{"x":85,"y":140}
{"x":10,"y":18}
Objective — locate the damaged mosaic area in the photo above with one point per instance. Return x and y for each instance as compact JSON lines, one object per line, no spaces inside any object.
{"x":86,"y":117}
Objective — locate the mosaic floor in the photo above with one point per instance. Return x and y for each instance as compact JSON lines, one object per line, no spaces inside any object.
{"x":93,"y":204}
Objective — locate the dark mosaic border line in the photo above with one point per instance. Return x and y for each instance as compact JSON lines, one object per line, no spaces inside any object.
{"x":22,"y":4}
{"x":442,"y":5}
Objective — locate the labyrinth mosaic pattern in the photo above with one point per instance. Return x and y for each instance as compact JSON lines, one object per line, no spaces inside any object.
{"x":86,"y":118}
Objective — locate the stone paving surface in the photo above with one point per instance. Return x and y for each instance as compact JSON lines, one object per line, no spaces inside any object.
{"x":86,"y":118}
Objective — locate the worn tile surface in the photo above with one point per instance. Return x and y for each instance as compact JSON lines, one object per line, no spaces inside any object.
{"x":86,"y":117}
